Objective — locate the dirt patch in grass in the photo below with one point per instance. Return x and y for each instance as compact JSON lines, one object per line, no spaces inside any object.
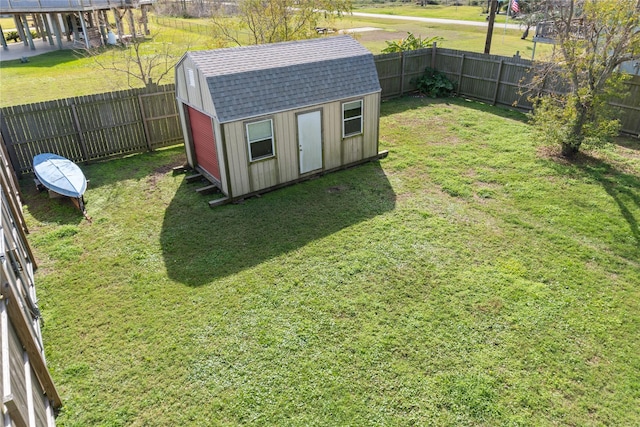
{"x":337,"y":189}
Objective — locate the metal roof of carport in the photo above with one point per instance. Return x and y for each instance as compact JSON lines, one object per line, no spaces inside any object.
{"x":252,"y":81}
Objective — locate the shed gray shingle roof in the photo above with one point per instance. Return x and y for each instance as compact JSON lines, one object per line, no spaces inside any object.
{"x":257,"y":80}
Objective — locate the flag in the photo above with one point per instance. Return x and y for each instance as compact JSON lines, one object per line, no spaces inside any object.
{"x":514,"y":6}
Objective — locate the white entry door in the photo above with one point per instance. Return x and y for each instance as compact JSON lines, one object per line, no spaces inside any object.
{"x":310,"y":141}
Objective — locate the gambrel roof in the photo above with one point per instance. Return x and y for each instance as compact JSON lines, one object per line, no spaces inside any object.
{"x":252,"y":81}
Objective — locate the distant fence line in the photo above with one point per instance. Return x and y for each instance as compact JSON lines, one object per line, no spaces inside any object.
{"x":494,"y":79}
{"x":115,"y":124}
{"x":184,"y":25}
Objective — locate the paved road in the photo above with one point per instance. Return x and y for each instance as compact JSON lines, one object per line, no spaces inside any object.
{"x":434,"y":20}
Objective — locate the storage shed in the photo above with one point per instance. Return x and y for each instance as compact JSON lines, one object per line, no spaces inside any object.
{"x":260,"y":117}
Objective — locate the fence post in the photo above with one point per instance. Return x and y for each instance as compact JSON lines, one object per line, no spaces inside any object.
{"x":434,"y":48}
{"x":495,"y":94}
{"x":402,"y":64}
{"x":460,"y":74}
{"x":145,"y":126}
{"x":6,"y":138}
{"x":76,"y":122}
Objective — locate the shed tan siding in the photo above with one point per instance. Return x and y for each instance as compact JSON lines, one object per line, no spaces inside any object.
{"x":237,"y":159}
{"x":221,"y":156}
{"x":286,"y":131}
{"x":198,"y":96}
{"x":246,"y":177}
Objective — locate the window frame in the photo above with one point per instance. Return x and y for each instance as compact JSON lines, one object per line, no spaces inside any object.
{"x":349,"y":119}
{"x":249,"y":141}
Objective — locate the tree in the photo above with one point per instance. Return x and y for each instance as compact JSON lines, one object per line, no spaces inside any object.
{"x":143,"y":59}
{"x":531,"y":12}
{"x":270,"y":21}
{"x":592,"y":37}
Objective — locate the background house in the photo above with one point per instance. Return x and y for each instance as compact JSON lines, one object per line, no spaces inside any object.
{"x":84,"y":22}
{"x":260,"y":117}
{"x":29,"y":396}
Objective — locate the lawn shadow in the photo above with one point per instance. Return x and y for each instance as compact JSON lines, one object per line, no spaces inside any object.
{"x":622,"y":187}
{"x":410,"y":102}
{"x":201,"y":244}
{"x":628,"y":142}
{"x":137,"y":167}
{"x":43,"y":60}
{"x":59,"y":210}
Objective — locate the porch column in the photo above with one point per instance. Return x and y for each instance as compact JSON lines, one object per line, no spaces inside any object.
{"x":87,"y":42}
{"x":38,"y":26}
{"x":2,"y":39}
{"x":119,"y":28}
{"x":28,"y":33}
{"x":47,"y":27}
{"x":132,"y":23}
{"x":19,"y":27}
{"x":145,"y":19}
{"x":55,"y":18}
{"x":104,"y":25}
{"x":74,"y":28}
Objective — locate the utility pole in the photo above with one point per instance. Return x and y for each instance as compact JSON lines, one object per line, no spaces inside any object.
{"x":492,"y":18}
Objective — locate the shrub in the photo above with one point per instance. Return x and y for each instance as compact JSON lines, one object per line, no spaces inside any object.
{"x":434,"y":83}
{"x":410,"y":42}
{"x":11,"y":35}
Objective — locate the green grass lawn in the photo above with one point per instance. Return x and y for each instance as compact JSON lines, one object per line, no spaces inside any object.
{"x":462,"y":13}
{"x":470,"y":278}
{"x":465,"y":38}
{"x":67,"y":73}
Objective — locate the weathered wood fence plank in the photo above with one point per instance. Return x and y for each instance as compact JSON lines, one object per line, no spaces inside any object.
{"x":92,"y":127}
{"x":114,"y":124}
{"x":494,"y":79}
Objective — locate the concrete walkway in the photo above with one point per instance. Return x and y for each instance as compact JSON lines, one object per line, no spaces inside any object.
{"x":435,"y":20}
{"x":19,"y":50}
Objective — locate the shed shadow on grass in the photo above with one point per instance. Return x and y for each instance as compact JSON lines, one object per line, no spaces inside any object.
{"x":202,"y":244}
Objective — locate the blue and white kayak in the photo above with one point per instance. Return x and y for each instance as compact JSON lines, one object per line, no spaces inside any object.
{"x":60,"y":175}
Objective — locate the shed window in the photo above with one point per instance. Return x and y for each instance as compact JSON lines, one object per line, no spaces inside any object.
{"x":352,"y":118}
{"x":260,"y":138}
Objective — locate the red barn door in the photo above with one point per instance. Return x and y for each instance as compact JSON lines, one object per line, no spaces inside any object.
{"x":204,"y":142}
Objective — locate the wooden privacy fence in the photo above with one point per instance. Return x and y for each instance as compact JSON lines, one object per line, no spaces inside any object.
{"x":490,"y":78}
{"x":92,"y":127}
{"x":118,"y":123}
